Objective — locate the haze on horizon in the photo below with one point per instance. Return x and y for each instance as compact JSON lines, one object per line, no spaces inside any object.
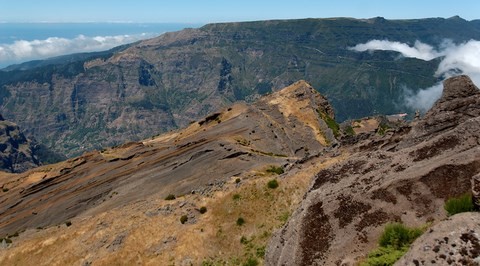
{"x":193,"y":11}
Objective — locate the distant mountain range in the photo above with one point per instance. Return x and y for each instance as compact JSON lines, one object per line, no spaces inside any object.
{"x":88,"y":101}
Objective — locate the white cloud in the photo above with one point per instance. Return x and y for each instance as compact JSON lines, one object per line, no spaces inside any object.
{"x":22,"y":50}
{"x":456,"y":59}
{"x":419,"y":50}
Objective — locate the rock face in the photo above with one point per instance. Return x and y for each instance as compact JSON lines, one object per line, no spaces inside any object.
{"x":455,"y":241}
{"x":278,"y":129}
{"x":404,"y":176}
{"x":17,"y":153}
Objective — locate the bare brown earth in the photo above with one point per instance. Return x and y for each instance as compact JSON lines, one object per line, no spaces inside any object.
{"x":330,"y":207}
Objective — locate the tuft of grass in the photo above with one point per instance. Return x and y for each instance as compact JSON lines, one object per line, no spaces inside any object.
{"x":240,"y":221}
{"x":183,"y":219}
{"x":203,"y":209}
{"x":251,"y":262}
{"x":275,"y":170}
{"x":170,"y":197}
{"x":460,"y":204}
{"x":68,"y":223}
{"x":394,"y":243}
{"x":272,"y":184}
{"x":236,"y":197}
{"x":382,"y":129}
{"x":237,"y":180}
{"x":349,"y":131}
{"x":331,"y":123}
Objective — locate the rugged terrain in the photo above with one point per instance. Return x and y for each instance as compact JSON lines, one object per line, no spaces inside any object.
{"x":133,"y":92}
{"x":17,"y":153}
{"x":405,"y":176}
{"x":337,"y":187}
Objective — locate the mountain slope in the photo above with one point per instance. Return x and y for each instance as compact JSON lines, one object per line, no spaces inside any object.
{"x":164,"y":83}
{"x":332,"y":200}
{"x":278,"y":129}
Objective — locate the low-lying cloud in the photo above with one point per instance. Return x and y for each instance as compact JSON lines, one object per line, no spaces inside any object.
{"x":23,"y":50}
{"x":456,"y":59}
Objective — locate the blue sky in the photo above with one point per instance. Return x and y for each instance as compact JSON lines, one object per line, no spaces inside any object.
{"x":205,"y":11}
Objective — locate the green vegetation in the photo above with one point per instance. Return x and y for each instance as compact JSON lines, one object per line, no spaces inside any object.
{"x":170,"y":197}
{"x":237,"y":180}
{"x":275,"y":170}
{"x":240,"y":221}
{"x":272,"y":184}
{"x":251,"y":262}
{"x":394,"y":242}
{"x":203,"y":209}
{"x":460,"y":204}
{"x":382,"y":129}
{"x":349,"y":131}
{"x":183,"y":219}
{"x":331,"y":123}
{"x":68,"y":223}
{"x":236,"y":197}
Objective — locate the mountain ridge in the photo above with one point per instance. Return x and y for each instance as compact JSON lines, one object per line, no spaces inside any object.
{"x":166,"y":82}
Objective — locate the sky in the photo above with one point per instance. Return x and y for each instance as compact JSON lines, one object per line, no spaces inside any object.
{"x":206,"y":11}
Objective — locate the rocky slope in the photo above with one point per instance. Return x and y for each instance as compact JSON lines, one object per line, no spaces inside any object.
{"x":278,"y":130}
{"x":164,"y":83}
{"x":17,"y":153}
{"x":332,"y":200}
{"x":405,"y":176}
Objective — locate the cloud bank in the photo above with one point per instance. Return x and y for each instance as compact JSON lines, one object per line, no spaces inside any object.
{"x":456,"y":59}
{"x":22,"y":50}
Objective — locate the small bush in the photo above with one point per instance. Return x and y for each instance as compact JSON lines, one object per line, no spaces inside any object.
{"x":236,"y":196}
{"x":68,"y":223}
{"x":240,"y":221}
{"x":203,"y":210}
{"x":183,"y":219}
{"x":7,"y":240}
{"x":394,"y":243}
{"x":237,"y":180}
{"x":275,"y":170}
{"x":272,"y":184}
{"x":461,"y":204}
{"x":4,"y":189}
{"x":170,"y":197}
{"x":398,"y":235}
{"x":251,"y":262}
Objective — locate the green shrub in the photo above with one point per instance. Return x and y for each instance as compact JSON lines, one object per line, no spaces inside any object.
{"x":240,"y":221}
{"x":183,"y":219}
{"x":331,"y":123}
{"x":236,"y":196}
{"x":237,"y":180}
{"x":275,"y":170}
{"x":384,"y":256}
{"x":272,"y":184}
{"x":398,"y":235}
{"x":349,"y":131}
{"x":203,"y":209}
{"x":68,"y":223}
{"x":170,"y":197}
{"x":260,"y":252}
{"x":394,"y":243}
{"x":461,"y":204}
{"x":251,"y":262}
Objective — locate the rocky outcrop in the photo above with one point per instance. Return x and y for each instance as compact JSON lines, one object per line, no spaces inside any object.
{"x":404,"y":176}
{"x":17,"y":153}
{"x":454,"y":241}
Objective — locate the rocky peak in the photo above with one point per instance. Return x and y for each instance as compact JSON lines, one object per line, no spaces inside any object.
{"x":460,"y":101}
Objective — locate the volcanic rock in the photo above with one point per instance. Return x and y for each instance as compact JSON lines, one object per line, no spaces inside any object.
{"x":403,"y":176}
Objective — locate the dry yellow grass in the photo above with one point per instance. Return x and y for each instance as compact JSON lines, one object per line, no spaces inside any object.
{"x":161,"y":239}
